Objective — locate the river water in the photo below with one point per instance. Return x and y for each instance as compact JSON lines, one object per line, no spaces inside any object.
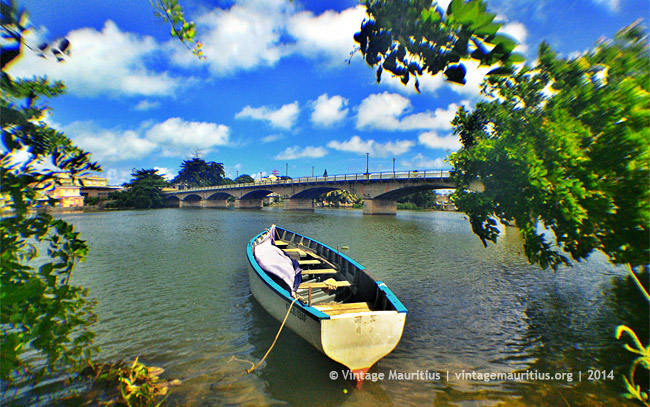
{"x":172,"y":288}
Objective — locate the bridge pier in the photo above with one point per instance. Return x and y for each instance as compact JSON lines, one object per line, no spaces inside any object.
{"x":298,"y":204}
{"x":379,"y":207}
{"x":190,"y":204}
{"x":249,"y":204}
{"x":214,"y":203}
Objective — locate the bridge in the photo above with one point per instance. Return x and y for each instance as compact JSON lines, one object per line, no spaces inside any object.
{"x":379,"y":190}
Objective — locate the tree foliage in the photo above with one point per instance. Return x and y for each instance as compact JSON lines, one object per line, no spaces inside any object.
{"x":564,"y":144}
{"x":41,"y":313}
{"x":413,"y":37}
{"x":144,"y":191}
{"x":199,"y":173}
{"x":244,"y":179}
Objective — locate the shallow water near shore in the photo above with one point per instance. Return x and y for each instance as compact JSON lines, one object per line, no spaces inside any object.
{"x":172,"y":288}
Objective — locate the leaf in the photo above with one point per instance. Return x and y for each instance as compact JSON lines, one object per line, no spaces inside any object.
{"x":456,"y":73}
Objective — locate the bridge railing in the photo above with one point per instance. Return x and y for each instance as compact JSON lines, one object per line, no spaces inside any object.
{"x":373,"y":176}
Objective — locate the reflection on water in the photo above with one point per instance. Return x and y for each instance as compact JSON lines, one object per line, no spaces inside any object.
{"x":172,"y":288}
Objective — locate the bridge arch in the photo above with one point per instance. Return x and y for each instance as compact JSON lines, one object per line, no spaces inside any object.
{"x":312,"y":193}
{"x":402,"y":192}
{"x":219,"y":196}
{"x":256,"y":194}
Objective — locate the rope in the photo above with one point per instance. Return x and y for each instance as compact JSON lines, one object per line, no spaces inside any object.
{"x":254,"y":366}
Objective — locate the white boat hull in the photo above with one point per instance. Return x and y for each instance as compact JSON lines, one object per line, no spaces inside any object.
{"x":357,"y":340}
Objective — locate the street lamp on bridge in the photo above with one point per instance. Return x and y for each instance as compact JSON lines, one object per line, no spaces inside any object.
{"x":367,"y":155}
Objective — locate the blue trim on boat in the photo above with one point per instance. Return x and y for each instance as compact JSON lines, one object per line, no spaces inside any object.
{"x":399,"y":307}
{"x":310,"y":311}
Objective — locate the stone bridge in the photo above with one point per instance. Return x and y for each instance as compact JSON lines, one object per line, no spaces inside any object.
{"x":379,"y":191}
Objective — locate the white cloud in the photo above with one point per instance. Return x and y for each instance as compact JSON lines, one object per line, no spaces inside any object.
{"x":295,"y":152}
{"x":167,"y":173}
{"x":283,"y":118}
{"x":358,"y":146}
{"x":383,"y":111}
{"x":144,"y":105}
{"x":271,"y":138}
{"x":173,"y":137}
{"x":109,"y":145}
{"x":329,"y":34}
{"x":110,"y":62}
{"x":610,"y":4}
{"x":329,"y":111}
{"x":420,"y":161}
{"x":179,"y":132}
{"x":242,"y":37}
{"x":431,"y":139}
{"x":517,"y":31}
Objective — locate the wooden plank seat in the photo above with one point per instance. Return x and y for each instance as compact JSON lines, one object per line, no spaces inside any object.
{"x":331,"y":283}
{"x":311,"y":262}
{"x":322,"y":284}
{"x":281,"y":243}
{"x":334,"y":308}
{"x":320,"y":271}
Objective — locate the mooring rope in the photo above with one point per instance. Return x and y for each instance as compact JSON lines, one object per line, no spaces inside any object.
{"x":254,"y":366}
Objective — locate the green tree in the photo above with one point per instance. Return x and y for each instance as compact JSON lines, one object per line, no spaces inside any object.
{"x":144,"y":191}
{"x":41,"y":313}
{"x":244,"y":179}
{"x":411,"y":38}
{"x":562,"y":151}
{"x":199,"y":173}
{"x":575,"y":162}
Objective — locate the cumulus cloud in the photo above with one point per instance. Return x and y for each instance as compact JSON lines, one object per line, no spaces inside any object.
{"x":431,"y":139}
{"x":420,"y":161}
{"x":271,"y":138}
{"x":245,"y":36}
{"x":329,"y":111}
{"x":358,"y":146}
{"x":385,"y":111}
{"x":295,"y":152}
{"x":283,"y":118}
{"x":173,"y":137}
{"x":106,"y":62}
{"x":256,"y":33}
{"x":178,"y":132}
{"x":329,"y":34}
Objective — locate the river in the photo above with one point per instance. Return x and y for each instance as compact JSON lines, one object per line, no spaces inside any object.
{"x":172,"y":288}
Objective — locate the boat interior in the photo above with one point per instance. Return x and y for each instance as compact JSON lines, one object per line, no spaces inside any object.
{"x":330,"y":282}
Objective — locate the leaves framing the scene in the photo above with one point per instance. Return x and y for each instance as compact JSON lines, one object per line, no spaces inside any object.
{"x":413,"y":38}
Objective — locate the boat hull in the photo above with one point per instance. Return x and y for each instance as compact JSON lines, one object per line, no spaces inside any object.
{"x":357,"y":340}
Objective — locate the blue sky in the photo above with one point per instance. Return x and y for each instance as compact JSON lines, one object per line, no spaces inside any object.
{"x":276,"y":88}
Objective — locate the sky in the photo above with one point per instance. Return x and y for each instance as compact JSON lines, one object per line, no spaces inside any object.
{"x":278,"y":89}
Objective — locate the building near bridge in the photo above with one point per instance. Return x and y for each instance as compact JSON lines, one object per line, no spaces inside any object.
{"x":65,"y":191}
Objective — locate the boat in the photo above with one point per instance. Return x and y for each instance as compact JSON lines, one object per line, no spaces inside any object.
{"x":328,"y":299}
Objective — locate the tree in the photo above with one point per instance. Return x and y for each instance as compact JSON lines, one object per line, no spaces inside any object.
{"x":144,"y":191}
{"x":244,"y":179}
{"x":412,"y":38}
{"x":40,"y":311}
{"x":575,"y":162}
{"x":199,"y":173}
{"x":564,"y":146}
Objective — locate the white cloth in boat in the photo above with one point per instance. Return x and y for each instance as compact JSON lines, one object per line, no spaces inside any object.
{"x":274,"y":261}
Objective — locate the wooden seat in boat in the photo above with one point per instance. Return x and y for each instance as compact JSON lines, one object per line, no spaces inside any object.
{"x":334,"y":308}
{"x":309,"y":262}
{"x":322,"y":284}
{"x":320,"y":271}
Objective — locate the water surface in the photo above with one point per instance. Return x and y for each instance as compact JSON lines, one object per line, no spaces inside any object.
{"x":172,"y":288}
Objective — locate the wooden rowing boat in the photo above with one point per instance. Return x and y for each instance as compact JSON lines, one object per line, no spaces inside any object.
{"x":343,"y":310}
